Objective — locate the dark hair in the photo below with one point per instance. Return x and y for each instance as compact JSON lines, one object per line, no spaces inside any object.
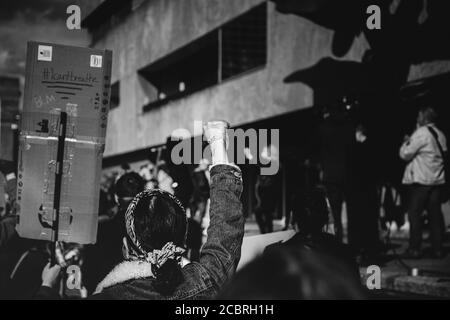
{"x":157,"y":221}
{"x":286,"y":273}
{"x":125,"y":166}
{"x":429,"y":115}
{"x":129,"y":185}
{"x":311,"y":211}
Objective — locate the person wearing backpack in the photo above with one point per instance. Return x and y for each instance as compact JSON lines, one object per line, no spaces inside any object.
{"x":425,"y":152}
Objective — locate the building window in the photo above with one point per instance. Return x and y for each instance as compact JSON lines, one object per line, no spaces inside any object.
{"x":115,"y":95}
{"x":190,"y":69}
{"x":244,"y":42}
{"x":235,"y":48}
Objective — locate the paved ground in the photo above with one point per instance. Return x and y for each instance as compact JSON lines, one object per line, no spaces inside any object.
{"x":251,"y":228}
{"x":430,"y":278}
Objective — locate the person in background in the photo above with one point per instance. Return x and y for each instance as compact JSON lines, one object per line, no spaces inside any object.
{"x":335,"y":135}
{"x":200,"y":196}
{"x":303,"y":179}
{"x":3,"y":195}
{"x":104,"y":207}
{"x":310,"y":218}
{"x":180,"y":173}
{"x":288,"y":273}
{"x":362,"y":198}
{"x":24,"y":276}
{"x":165,"y":181}
{"x":11,"y":246}
{"x":107,"y":206}
{"x":424,"y":176}
{"x":106,"y":253}
{"x":198,"y":220}
{"x":8,"y":219}
{"x":125,"y":167}
{"x":267,"y":190}
{"x":148,"y":173}
{"x":7,"y":229}
{"x":155,"y":238}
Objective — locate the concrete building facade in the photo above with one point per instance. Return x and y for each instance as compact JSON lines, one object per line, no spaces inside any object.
{"x":157,"y":28}
{"x":310,"y":60}
{"x":142,"y":33}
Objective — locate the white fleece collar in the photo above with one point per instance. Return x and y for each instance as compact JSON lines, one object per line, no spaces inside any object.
{"x":125,"y":271}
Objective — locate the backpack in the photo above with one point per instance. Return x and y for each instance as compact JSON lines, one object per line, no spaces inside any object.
{"x":445,"y":194}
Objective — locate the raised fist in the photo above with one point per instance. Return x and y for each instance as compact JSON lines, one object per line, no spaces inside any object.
{"x":215,"y":130}
{"x":216,"y":134}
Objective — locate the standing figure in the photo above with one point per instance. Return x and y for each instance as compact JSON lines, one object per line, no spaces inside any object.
{"x":424,"y":175}
{"x":335,"y":140}
{"x":267,"y":192}
{"x":200,"y":195}
{"x":362,"y":197}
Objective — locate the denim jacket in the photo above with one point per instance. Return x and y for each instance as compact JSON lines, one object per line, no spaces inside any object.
{"x":218,"y":259}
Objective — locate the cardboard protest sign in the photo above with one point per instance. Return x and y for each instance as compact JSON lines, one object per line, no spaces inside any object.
{"x":71,"y":84}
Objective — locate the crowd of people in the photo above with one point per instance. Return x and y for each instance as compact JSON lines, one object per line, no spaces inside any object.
{"x":162,"y":235}
{"x":346,"y":167}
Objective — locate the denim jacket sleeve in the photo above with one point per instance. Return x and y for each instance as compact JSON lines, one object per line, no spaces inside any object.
{"x":221,"y":253}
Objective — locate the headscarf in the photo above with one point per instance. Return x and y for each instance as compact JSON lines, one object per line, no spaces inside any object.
{"x":136,"y":252}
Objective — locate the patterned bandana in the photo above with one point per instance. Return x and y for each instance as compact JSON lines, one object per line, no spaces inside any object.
{"x":136,"y":251}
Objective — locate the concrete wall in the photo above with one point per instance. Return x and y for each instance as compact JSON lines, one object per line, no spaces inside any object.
{"x":159,"y":27}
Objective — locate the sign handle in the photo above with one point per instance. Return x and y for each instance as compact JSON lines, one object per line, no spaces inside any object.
{"x":58,"y":182}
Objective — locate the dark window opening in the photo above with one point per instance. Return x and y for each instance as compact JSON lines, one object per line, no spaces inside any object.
{"x":244,"y":42}
{"x":115,"y":95}
{"x":235,"y":48}
{"x":190,"y":69}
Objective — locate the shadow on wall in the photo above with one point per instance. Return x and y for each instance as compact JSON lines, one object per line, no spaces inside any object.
{"x":409,"y":27}
{"x":412,"y":32}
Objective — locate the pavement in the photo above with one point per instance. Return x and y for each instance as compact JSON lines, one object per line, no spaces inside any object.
{"x":404,"y":278}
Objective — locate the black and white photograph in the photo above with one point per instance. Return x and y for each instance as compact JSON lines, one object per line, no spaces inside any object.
{"x":239,"y":153}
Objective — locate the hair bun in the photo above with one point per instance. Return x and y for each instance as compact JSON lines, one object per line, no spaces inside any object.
{"x":168,"y":277}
